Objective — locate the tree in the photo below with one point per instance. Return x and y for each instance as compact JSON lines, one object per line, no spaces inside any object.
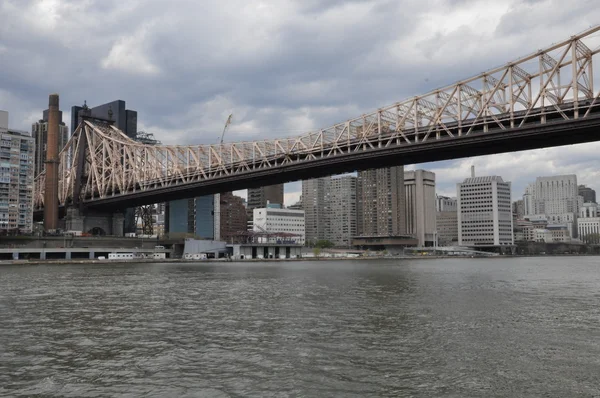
{"x":324,"y":244}
{"x":592,"y":238}
{"x":317,"y":251}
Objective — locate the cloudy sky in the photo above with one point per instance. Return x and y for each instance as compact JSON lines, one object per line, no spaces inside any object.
{"x":282,"y":67}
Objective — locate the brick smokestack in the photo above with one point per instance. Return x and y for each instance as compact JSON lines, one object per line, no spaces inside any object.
{"x":51,"y":188}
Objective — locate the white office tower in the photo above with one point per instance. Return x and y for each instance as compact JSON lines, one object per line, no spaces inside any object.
{"x":557,"y":198}
{"x":588,"y":223}
{"x":484,"y":212}
{"x":279,"y":225}
{"x":528,"y":200}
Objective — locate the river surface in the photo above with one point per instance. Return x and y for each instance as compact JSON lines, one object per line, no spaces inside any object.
{"x":498,"y":327}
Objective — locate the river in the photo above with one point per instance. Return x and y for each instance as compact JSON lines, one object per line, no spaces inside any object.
{"x":502,"y":327}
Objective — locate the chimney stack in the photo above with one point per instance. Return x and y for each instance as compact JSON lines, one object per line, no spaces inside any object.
{"x":472,"y":171}
{"x":51,"y":188}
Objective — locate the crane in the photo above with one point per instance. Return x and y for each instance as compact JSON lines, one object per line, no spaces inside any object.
{"x":227,"y":123}
{"x":217,"y":197}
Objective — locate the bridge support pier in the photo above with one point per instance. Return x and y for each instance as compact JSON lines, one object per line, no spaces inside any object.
{"x":94,"y":222}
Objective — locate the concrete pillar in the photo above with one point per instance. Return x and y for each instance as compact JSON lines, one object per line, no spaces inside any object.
{"x":74,"y":220}
{"x":15,"y":255}
{"x":92,"y":255}
{"x":118,"y":220}
{"x":43,"y":255}
{"x":68,"y":255}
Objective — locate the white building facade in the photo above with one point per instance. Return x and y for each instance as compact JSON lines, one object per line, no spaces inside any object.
{"x":484,"y":211}
{"x":588,"y":223}
{"x":289,"y":224}
{"x":557,"y":197}
{"x":16,"y":179}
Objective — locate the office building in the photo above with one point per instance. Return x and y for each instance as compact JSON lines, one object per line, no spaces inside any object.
{"x":588,"y":194}
{"x":445,"y":203}
{"x":557,"y":198}
{"x":279,"y":225}
{"x":529,"y":200}
{"x":124,"y":119}
{"x":191,"y":217}
{"x":39,"y":132}
{"x":17,"y":149}
{"x":484,"y":212}
{"x":315,"y":203}
{"x":259,"y":197}
{"x":588,"y":223}
{"x":446,"y":221}
{"x":420,"y":205}
{"x":381,"y":202}
{"x":518,"y":209}
{"x":233,"y":218}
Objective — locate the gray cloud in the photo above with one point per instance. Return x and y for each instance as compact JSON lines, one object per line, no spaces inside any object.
{"x":282,"y":67}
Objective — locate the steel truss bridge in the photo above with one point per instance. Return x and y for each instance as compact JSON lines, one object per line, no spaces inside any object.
{"x":541,"y":100}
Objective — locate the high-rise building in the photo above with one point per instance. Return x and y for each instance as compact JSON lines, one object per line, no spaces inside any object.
{"x":17,"y":151}
{"x":259,"y":197}
{"x":39,"y":131}
{"x":446,"y":221}
{"x":588,"y":194}
{"x":233,"y":218}
{"x":529,"y":200}
{"x":419,"y":186}
{"x":518,"y":209}
{"x":557,"y":198}
{"x":342,"y":210}
{"x":315,"y":202}
{"x":191,"y":216}
{"x":484,"y":212}
{"x":126,"y":121}
{"x":381,"y":202}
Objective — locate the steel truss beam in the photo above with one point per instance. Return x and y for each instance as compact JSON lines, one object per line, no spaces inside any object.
{"x":556,"y":83}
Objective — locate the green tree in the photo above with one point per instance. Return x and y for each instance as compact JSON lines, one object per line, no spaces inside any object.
{"x":591,"y":238}
{"x":324,"y":244}
{"x":317,"y":251}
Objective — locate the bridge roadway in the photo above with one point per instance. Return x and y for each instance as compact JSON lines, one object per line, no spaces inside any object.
{"x":533,"y":135}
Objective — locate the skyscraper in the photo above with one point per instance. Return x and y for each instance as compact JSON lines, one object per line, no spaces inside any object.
{"x":315,"y":205}
{"x":446,"y":221}
{"x":380,"y":202}
{"x":39,"y":132}
{"x":420,"y":205}
{"x":588,"y":194}
{"x":233,"y":218}
{"x":126,"y":121}
{"x":16,"y":178}
{"x":342,"y":210}
{"x":484,"y":212}
{"x":557,"y":198}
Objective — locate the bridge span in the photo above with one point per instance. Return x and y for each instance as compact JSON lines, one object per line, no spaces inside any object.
{"x":542,"y":100}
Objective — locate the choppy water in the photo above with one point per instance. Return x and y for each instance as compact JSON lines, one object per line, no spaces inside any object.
{"x":460,"y":327}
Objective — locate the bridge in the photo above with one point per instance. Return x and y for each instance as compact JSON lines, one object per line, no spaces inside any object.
{"x":541,"y":100}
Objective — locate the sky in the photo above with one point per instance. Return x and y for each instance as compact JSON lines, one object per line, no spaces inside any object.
{"x":282,"y":67}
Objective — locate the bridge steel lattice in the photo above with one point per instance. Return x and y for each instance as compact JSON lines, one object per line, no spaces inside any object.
{"x":100,"y":164}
